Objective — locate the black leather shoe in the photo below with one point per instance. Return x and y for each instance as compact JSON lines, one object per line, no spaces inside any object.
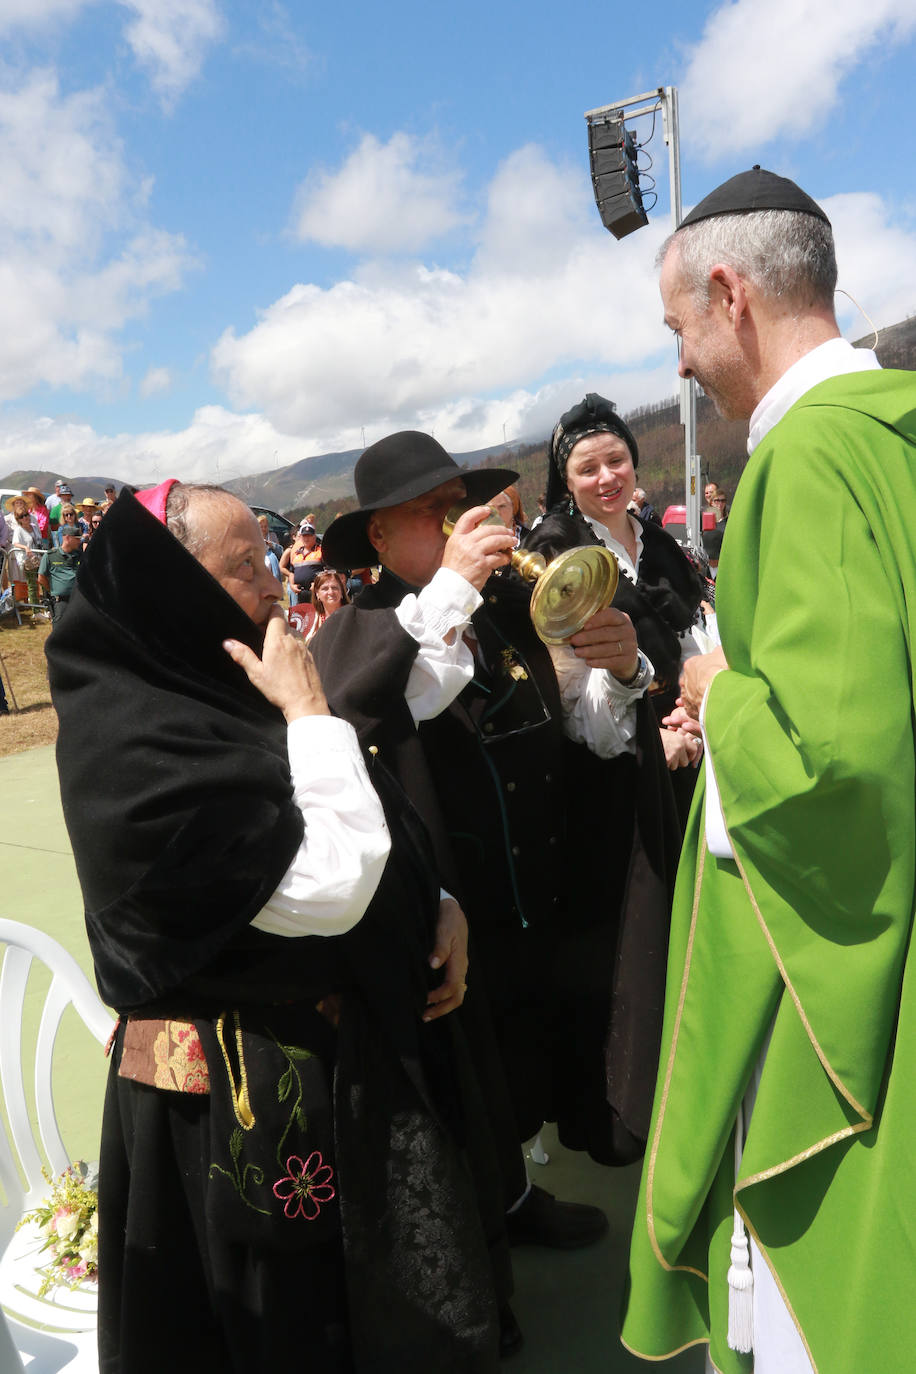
{"x":510,"y":1333}
{"x":542,"y":1220}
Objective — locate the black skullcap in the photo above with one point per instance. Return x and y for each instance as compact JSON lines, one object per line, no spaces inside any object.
{"x":754,"y":190}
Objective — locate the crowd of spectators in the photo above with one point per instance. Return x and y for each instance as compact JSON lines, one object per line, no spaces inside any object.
{"x":41,"y":540}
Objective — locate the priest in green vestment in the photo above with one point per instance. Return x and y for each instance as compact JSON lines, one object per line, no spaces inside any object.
{"x":785,"y":1113}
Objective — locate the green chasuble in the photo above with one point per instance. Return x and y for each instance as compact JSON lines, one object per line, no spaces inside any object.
{"x":806,"y":932}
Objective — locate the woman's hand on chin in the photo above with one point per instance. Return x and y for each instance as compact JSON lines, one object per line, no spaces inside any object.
{"x":285,"y":674}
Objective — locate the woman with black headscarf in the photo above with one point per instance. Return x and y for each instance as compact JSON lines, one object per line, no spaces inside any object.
{"x":623,"y":809}
{"x":590,"y":482}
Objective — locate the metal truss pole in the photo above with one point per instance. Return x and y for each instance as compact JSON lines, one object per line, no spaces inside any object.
{"x":688,"y":388}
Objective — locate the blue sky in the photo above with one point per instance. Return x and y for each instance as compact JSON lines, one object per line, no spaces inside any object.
{"x":237,"y":234}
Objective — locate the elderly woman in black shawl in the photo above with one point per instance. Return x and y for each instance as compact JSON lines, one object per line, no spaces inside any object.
{"x":282,"y":1178}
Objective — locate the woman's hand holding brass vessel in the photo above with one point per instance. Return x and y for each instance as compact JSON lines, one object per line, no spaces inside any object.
{"x":608,"y":640}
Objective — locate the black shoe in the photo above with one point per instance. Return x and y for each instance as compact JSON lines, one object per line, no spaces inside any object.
{"x":511,"y":1339}
{"x":542,"y":1220}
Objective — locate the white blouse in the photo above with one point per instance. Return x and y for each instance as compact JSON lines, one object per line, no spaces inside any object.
{"x":345,"y":844}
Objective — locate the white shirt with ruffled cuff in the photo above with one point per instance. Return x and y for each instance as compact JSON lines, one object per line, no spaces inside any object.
{"x":345,"y":844}
{"x":437,"y":617}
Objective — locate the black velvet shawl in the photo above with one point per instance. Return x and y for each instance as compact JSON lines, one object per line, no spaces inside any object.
{"x":173,"y":768}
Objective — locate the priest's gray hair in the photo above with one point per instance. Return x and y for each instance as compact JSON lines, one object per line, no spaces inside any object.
{"x":783,"y":253}
{"x":184,"y":506}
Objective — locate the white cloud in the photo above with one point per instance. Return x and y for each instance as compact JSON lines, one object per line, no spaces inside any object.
{"x":277,"y":45}
{"x":220,"y":445}
{"x":876,"y":258}
{"x":61,"y":168}
{"x":77,"y":256}
{"x":34,"y":14}
{"x":387,"y":198}
{"x":547,"y":289}
{"x":549,"y":306}
{"x":469,"y":423}
{"x":157,"y":380}
{"x":216,"y":446}
{"x":764,"y":70}
{"x":169,"y":39}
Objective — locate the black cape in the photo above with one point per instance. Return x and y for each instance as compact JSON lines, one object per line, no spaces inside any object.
{"x":182,"y":823}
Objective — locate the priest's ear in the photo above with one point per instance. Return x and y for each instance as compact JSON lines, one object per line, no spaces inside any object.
{"x":727,"y":292}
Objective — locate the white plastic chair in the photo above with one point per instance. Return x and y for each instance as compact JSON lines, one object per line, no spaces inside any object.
{"x":56,"y":1332}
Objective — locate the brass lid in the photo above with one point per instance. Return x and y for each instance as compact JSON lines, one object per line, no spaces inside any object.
{"x":575,"y":586}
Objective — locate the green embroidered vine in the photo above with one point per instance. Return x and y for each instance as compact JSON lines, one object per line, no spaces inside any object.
{"x":239,"y":1177}
{"x":291,"y":1053}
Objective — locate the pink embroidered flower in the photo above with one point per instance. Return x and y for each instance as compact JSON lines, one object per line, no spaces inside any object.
{"x":305,"y":1186}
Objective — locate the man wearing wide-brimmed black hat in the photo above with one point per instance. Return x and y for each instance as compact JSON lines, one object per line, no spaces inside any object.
{"x":439,"y":666}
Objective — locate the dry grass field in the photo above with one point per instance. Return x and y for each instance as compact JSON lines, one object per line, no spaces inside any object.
{"x":22,"y":664}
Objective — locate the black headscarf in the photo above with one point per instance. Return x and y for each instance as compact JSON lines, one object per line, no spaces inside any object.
{"x":173,"y":768}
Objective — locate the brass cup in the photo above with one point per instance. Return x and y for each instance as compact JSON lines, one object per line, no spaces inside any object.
{"x":569,"y":590}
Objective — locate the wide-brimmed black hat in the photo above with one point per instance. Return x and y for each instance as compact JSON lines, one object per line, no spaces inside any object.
{"x":394,"y":470}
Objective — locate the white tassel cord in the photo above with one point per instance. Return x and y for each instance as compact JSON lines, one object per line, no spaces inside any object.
{"x":740,"y":1293}
{"x":740,"y":1276}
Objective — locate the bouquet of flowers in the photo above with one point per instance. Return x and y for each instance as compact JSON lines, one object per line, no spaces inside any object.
{"x":69,"y":1221}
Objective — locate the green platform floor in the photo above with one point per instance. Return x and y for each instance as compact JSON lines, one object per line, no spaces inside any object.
{"x":567,"y":1303}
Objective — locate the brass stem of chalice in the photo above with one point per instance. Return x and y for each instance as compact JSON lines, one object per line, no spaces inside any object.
{"x":568,"y":590}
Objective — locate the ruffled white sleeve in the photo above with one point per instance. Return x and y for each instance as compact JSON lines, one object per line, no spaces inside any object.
{"x":436,"y":617}
{"x":339,"y":863}
{"x":598,"y":711}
